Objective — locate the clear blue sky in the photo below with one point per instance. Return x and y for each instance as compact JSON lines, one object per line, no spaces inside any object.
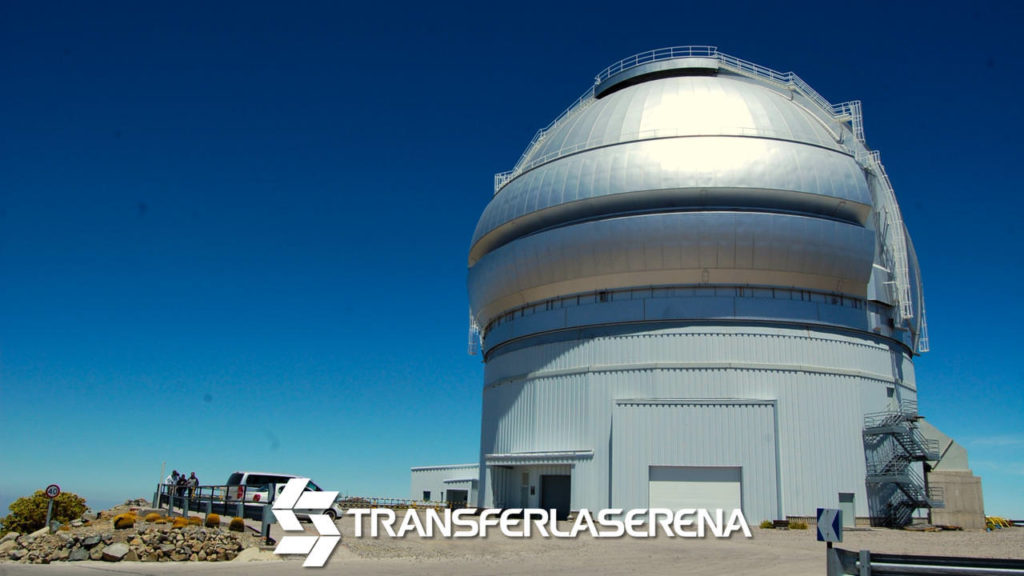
{"x":234,"y":235}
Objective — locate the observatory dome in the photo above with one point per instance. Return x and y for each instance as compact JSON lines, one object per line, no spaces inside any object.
{"x":683,"y":175}
{"x":694,"y":282}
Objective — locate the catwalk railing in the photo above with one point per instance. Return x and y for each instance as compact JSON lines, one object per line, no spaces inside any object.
{"x":842,"y":112}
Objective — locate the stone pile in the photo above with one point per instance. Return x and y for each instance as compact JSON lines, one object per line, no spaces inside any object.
{"x":145,"y":542}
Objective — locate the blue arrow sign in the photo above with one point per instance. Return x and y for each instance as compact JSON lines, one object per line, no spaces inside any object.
{"x":830,"y":525}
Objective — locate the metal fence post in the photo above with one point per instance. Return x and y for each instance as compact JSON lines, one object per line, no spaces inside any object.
{"x":865,"y":563}
{"x":266,"y":520}
{"x":833,"y":566}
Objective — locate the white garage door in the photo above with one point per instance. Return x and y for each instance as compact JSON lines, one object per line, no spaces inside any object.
{"x":677,"y":487}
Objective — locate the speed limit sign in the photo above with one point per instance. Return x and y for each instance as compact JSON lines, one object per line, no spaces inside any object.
{"x":52,"y":491}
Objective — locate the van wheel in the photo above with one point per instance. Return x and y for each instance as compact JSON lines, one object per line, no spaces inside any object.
{"x":332,"y":515}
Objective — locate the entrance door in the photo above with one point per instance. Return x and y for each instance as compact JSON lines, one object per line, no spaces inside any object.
{"x":555,"y":494}
{"x":458,"y":498}
{"x":848,"y":509}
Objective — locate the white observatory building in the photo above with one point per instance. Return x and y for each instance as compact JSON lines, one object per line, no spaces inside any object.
{"x":695,"y":290}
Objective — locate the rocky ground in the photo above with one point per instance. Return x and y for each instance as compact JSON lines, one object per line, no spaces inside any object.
{"x":94,"y":537}
{"x":767,"y":553}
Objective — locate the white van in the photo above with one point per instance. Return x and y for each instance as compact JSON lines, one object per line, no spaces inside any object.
{"x":253,"y":487}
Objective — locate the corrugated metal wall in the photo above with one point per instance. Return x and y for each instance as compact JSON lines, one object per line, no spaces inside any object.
{"x":562,"y":396}
{"x":798,"y":349}
{"x":683,"y":433}
{"x":432,"y":479}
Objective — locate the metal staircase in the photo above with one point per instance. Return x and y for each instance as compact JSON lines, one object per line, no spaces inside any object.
{"x":892,"y":444}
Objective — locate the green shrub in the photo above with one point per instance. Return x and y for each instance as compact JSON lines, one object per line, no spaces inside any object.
{"x":180,"y":522}
{"x":767,"y":524}
{"x":213,"y":520}
{"x":797,"y":525}
{"x":28,"y":514}
{"x":152,"y":517}
{"x":195,"y":521}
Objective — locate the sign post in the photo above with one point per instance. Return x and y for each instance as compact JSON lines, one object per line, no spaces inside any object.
{"x":52,"y":491}
{"x":268,"y":515}
{"x":830,"y":529}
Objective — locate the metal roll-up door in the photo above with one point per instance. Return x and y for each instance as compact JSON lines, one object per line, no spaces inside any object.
{"x":678,"y":487}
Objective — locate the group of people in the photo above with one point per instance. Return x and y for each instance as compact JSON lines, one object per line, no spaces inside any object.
{"x":182,"y":485}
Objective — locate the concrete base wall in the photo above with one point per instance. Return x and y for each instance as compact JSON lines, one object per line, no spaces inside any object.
{"x":965,"y":506}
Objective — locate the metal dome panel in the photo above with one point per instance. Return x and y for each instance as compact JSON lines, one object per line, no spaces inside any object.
{"x":686,"y":248}
{"x":692,"y":172}
{"x":687,"y":106}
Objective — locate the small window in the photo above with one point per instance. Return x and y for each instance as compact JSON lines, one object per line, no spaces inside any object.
{"x":426,"y":495}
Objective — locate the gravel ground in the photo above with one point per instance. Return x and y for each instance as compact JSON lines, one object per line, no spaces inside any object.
{"x":767,"y":553}
{"x":1005,"y":543}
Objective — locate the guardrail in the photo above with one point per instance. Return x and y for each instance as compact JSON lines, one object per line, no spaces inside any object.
{"x":655,"y":56}
{"x":906,"y":411}
{"x":241,"y":501}
{"x":864,"y":563}
{"x":248,"y":501}
{"x":350,"y":502}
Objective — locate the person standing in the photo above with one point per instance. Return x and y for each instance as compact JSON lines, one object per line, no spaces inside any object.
{"x":181,"y":484}
{"x":193,"y":484}
{"x":170,"y":482}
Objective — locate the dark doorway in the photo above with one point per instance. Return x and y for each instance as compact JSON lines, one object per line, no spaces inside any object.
{"x":555,"y":494}
{"x":458,"y":498}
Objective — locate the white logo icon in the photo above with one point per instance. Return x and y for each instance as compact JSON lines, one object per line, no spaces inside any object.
{"x":295,"y":497}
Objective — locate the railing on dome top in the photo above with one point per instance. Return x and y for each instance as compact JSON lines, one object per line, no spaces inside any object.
{"x":843,"y":111}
